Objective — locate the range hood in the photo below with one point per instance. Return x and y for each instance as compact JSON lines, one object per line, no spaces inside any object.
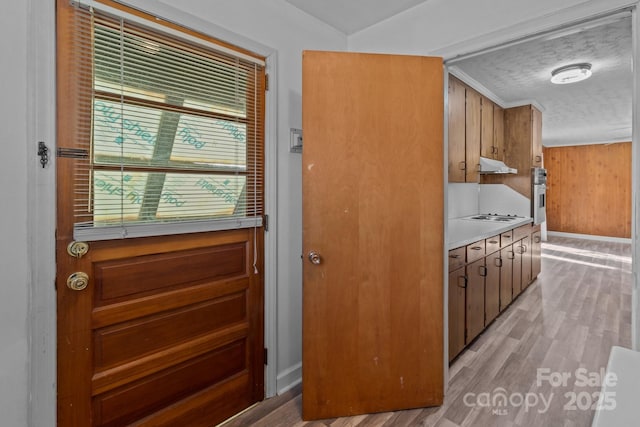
{"x":490,"y":166}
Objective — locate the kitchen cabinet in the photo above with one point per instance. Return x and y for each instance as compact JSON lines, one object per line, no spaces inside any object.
{"x":498,"y":132}
{"x":457,"y":131}
{"x":476,"y":272}
{"x":523,"y":145}
{"x":536,"y":252}
{"x":457,"y":308}
{"x":493,"y":263}
{"x":525,"y":244}
{"x":473,"y":118}
{"x":516,"y":270}
{"x":487,"y":146}
{"x":475,"y":250}
{"x":506,"y":276}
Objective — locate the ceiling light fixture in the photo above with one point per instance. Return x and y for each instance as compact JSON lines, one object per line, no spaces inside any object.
{"x":571,"y":74}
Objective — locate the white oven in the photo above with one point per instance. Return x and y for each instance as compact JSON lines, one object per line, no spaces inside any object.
{"x":539,"y":195}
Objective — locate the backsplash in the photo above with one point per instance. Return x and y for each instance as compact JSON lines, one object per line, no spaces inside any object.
{"x":501,"y":199}
{"x":462,"y":199}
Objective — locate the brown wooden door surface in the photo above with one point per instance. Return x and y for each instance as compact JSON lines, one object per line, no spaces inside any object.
{"x":457,"y":285}
{"x":373,"y":210}
{"x":473,"y":131}
{"x":487,"y":147}
{"x":526,"y":262}
{"x":475,"y":299}
{"x":506,"y":277}
{"x":517,"y":269}
{"x":498,"y":132}
{"x":492,"y":287}
{"x":456,"y":127}
{"x":536,"y":254}
{"x":169,"y":330}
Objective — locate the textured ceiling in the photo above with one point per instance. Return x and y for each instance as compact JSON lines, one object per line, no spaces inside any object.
{"x":353,"y":15}
{"x":594,"y":110}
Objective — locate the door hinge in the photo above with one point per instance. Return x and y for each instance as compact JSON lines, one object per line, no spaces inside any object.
{"x":266,"y":81}
{"x":266,"y":356}
{"x":265,"y":222}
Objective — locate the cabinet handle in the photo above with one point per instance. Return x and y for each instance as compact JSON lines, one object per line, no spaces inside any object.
{"x":507,"y":236}
{"x":498,"y":262}
{"x":462,"y":166}
{"x":512,"y":255}
{"x":524,"y":248}
{"x":537,"y":239}
{"x":538,"y":159}
{"x":476,"y":248}
{"x":482,"y":270}
{"x":455,"y":256}
{"x":464,"y":282}
{"x":493,"y":242}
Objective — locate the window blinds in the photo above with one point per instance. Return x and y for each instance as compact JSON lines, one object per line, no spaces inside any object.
{"x":166,"y":134}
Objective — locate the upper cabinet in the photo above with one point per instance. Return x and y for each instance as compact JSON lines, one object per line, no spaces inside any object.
{"x":523,"y":144}
{"x":457,"y":132}
{"x":487,"y":142}
{"x":476,"y":128}
{"x":498,"y":132}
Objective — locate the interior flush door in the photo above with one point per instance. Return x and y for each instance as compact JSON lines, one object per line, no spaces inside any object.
{"x":372,"y":233}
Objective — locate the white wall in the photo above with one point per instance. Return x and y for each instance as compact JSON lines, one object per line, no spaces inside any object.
{"x":14,"y":267}
{"x":442,"y":26}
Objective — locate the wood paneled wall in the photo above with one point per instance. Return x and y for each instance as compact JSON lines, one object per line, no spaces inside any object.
{"x":589,"y":189}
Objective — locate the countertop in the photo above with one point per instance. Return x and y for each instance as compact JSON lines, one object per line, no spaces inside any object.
{"x":461,"y":231}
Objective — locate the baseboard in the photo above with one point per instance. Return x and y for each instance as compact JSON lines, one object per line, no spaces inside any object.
{"x":589,"y":237}
{"x":289,"y":378}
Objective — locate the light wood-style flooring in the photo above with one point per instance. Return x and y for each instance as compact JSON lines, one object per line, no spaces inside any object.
{"x":568,"y":319}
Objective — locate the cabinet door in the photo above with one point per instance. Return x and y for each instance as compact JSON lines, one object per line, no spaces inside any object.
{"x":472,"y":132}
{"x":517,"y":268}
{"x":457,"y":287}
{"x":476,"y":273}
{"x":526,"y":262}
{"x":506,"y":277}
{"x":536,"y":254}
{"x":492,"y":287}
{"x":498,"y":132}
{"x":487,"y":149}
{"x":536,"y":138}
{"x":456,"y":130}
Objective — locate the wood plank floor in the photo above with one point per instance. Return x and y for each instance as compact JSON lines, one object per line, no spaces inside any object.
{"x":566,"y":320}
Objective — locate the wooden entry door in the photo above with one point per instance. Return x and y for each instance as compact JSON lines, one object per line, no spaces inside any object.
{"x":164,"y":330}
{"x":373,"y":222}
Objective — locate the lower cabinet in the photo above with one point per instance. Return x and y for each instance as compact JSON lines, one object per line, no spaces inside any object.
{"x":457,"y":308}
{"x":506,"y":277}
{"x":536,"y":253}
{"x":518,"y":250}
{"x":476,"y":271}
{"x":492,"y":287}
{"x":526,"y":262}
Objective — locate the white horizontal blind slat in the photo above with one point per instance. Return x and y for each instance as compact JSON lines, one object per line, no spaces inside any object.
{"x":173,"y":133}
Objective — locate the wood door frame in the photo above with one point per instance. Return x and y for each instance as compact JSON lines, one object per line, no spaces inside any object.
{"x":41,"y":207}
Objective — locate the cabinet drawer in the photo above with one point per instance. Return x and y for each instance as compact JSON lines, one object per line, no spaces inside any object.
{"x":475,"y":251}
{"x":535,"y":228}
{"x":492,"y":244}
{"x":521,"y":232}
{"x":456,"y":258}
{"x":506,"y":238}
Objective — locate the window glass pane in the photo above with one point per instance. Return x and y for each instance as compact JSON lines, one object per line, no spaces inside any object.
{"x":210,"y":142}
{"x":152,"y":196}
{"x":124,"y":131}
{"x":117,"y":196}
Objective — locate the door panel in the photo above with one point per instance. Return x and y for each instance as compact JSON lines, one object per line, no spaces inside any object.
{"x":168,"y":347}
{"x":506,"y":277}
{"x":475,"y":299}
{"x":526,"y":262}
{"x":457,"y":285}
{"x":373,"y":210}
{"x":492,"y":287}
{"x":473,"y":131}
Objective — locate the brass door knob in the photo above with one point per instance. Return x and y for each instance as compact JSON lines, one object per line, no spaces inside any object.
{"x":77,"y":281}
